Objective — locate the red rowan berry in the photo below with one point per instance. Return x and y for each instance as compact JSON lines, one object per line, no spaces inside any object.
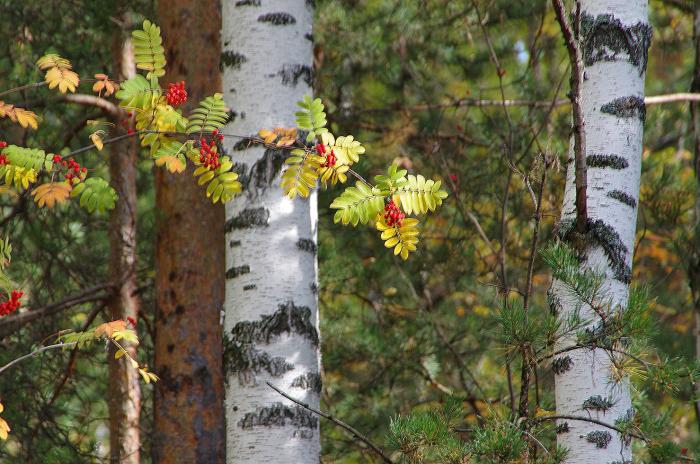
{"x":177,"y":94}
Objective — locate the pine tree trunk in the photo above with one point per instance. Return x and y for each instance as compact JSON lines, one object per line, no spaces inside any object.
{"x":614,"y":39}
{"x":271,"y":321}
{"x":124,"y":393}
{"x":189,"y":415}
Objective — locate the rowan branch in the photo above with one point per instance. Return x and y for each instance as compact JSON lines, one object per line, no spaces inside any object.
{"x":355,"y":433}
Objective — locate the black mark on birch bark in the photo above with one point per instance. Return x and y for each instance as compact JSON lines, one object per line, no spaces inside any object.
{"x":309,"y":381}
{"x":277,"y":19}
{"x":248,"y":3}
{"x":288,"y":318}
{"x":600,"y":438}
{"x":553,"y":302}
{"x":234,"y":243}
{"x":246,"y":361}
{"x":606,"y":161}
{"x":249,"y":287}
{"x":307,"y":244}
{"x":232,"y":60}
{"x":237,"y":271}
{"x":291,"y":73}
{"x":562,"y":364}
{"x":623,"y":197}
{"x":279,"y":415}
{"x":604,"y":38}
{"x":562,"y":428}
{"x":266,"y":169}
{"x":597,"y":403}
{"x":626,"y":107}
{"x":605,"y":236}
{"x":244,"y":143}
{"x":249,"y":217}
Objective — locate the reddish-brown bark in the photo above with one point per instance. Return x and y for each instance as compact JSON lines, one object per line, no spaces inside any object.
{"x":124,"y":393}
{"x":189,"y":417}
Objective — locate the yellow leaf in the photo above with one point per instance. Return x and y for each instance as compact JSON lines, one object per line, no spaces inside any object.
{"x":4,"y":429}
{"x":24,"y":118}
{"x":63,"y":78}
{"x":97,"y":140}
{"x":51,"y":193}
{"x":172,"y":163}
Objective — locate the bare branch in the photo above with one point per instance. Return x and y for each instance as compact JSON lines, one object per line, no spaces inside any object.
{"x":355,"y":433}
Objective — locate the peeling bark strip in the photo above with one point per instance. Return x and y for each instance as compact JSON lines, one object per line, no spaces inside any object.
{"x":279,"y":415}
{"x":250,"y":217}
{"x":600,"y":438}
{"x":232,"y":60}
{"x":605,"y":37}
{"x":291,"y":73}
{"x":309,"y":381}
{"x":626,"y":107}
{"x":623,"y":197}
{"x":307,"y":244}
{"x":246,"y":361}
{"x":607,"y":161}
{"x":236,"y":271}
{"x":288,"y":318}
{"x":277,"y":19}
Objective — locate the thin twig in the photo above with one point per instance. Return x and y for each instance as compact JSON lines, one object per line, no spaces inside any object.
{"x":337,"y":422}
{"x":35,"y":353}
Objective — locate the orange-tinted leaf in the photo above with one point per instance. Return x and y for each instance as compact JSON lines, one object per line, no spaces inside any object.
{"x":51,"y":193}
{"x":108,"y":328}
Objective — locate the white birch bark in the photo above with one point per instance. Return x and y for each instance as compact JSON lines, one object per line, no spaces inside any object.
{"x":614,"y":39}
{"x":271,"y":311}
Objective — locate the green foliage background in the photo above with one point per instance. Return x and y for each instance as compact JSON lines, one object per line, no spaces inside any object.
{"x":398,"y":338}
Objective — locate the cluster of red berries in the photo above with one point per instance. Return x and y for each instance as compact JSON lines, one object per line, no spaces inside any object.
{"x":73,"y":168}
{"x":208,"y":153}
{"x":392,"y":213}
{"x":177,"y":95}
{"x":3,"y":158}
{"x":330,"y":156}
{"x":11,"y":305}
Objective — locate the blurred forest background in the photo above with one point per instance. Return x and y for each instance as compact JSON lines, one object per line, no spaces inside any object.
{"x":414,"y":80}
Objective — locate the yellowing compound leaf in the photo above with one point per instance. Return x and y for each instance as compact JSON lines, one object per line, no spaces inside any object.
{"x":172,"y":163}
{"x":58,"y":73}
{"x":4,"y":429}
{"x":108,"y":328}
{"x":24,"y":118}
{"x":96,"y":138}
{"x":51,"y":193}
{"x":104,"y":84}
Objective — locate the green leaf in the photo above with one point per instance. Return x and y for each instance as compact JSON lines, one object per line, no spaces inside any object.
{"x":210,"y":114}
{"x":31,"y":158}
{"x":95,"y":194}
{"x":312,"y":117}
{"x":137,"y":92}
{"x":359,"y":204}
{"x":149,"y":53}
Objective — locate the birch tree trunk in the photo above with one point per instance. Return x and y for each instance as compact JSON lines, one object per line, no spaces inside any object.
{"x":189,"y":398}
{"x":271,"y":320}
{"x":614,"y":39}
{"x":124,"y":393}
